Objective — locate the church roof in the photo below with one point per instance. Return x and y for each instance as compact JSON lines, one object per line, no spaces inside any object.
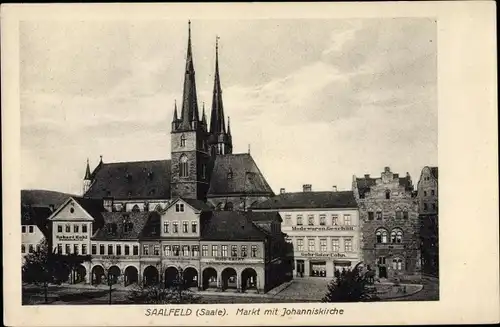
{"x":237,"y":174}
{"x":114,"y":225}
{"x":310,"y":200}
{"x":230,"y":226}
{"x":135,"y":179}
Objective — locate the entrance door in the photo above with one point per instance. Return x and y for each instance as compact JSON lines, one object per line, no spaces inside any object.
{"x":382,"y":272}
{"x":300,"y":268}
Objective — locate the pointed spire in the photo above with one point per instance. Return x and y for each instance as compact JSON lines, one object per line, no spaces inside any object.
{"x":217,"y":124}
{"x":175,"y":111}
{"x":87,"y":170}
{"x":189,"y":100}
{"x":204,"y":117}
{"x":228,"y":126}
{"x":248,"y":148}
{"x":100,"y":161}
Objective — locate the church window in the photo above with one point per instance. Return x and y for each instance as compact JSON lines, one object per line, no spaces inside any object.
{"x":183,"y":140}
{"x":381,"y":236}
{"x":183,"y":170}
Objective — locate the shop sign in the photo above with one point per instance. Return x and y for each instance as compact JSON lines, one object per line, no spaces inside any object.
{"x":323,"y":255}
{"x":231,"y":259}
{"x":71,"y":237}
{"x":323,"y":228}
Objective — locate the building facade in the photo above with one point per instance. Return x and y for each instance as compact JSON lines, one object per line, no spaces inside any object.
{"x":428,"y":204}
{"x":390,"y":226}
{"x":34,"y":228}
{"x":323,"y":228}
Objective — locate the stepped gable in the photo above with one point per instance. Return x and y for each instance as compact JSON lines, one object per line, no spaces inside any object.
{"x":237,"y":174}
{"x":115,"y":225}
{"x":231,"y":226}
{"x":132,"y":180}
{"x":306,"y":200}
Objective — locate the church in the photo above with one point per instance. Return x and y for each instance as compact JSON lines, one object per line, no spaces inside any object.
{"x":202,"y":165}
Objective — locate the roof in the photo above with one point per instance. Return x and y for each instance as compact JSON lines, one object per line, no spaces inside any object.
{"x":138,"y":220}
{"x":135,"y":179}
{"x":230,"y":226}
{"x":237,"y":174}
{"x":307,"y":200}
{"x":257,"y":216}
{"x":94,"y":207}
{"x":31,"y":215}
{"x":197,"y":204}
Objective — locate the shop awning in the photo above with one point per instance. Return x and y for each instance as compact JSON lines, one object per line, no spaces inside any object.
{"x":342,"y":262}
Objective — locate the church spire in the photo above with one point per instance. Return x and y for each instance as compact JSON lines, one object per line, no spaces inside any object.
{"x":217,"y":124}
{"x":175,"y":112}
{"x":228,"y":126}
{"x":189,"y":100}
{"x":204,"y":117}
{"x":87,"y":171}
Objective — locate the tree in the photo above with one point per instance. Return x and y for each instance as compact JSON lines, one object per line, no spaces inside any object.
{"x":43,"y":266}
{"x":351,"y":287}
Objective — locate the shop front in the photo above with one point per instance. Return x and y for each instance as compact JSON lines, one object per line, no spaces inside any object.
{"x":323,"y":264}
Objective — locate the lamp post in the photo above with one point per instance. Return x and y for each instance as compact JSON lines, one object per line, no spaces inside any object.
{"x":180,"y":282}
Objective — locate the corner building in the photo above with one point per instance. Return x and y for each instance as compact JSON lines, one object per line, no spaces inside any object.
{"x":323,"y":228}
{"x":390,"y":226}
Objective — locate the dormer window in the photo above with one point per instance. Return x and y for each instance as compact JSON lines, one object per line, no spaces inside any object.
{"x":183,"y":140}
{"x":112,"y":229}
{"x":128,"y":227}
{"x":179,"y":207}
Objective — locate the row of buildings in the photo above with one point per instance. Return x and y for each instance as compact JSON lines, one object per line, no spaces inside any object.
{"x":208,"y":216}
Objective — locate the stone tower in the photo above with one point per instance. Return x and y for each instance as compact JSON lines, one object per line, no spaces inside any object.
{"x":189,"y":149}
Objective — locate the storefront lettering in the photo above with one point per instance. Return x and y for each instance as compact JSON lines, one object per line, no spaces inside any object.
{"x":71,"y":237}
{"x":326,"y":228}
{"x":328,"y":255}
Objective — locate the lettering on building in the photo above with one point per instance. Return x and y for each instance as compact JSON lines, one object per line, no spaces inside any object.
{"x":71,"y":237}
{"x":326,"y":228}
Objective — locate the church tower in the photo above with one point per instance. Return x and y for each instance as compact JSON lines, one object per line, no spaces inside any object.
{"x":87,"y":180}
{"x":189,"y":150}
{"x":220,"y":141}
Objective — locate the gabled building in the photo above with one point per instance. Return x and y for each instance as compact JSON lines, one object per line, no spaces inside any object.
{"x":34,"y":227}
{"x":428,"y":204}
{"x":388,"y":211}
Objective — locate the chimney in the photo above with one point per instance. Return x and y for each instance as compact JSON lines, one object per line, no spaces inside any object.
{"x":306,"y":187}
{"x":282,"y":190}
{"x":334,"y":188}
{"x":387,"y":169}
{"x":52,"y":207}
{"x":367,"y":175}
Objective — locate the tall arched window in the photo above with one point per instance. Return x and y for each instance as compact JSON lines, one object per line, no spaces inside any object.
{"x":184,"y":165}
{"x":399,"y":213}
{"x":397,"y":264}
{"x":381,"y":235}
{"x":396,"y":235}
{"x":183,"y":140}
{"x":136,"y":208}
{"x":387,"y":194}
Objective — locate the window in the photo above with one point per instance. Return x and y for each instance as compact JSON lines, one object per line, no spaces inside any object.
{"x":405,"y":214}
{"x":101,"y":249}
{"x":311,"y":244}
{"x":215,"y":251}
{"x":432,"y":192}
{"x":396,"y":235}
{"x":425,"y":206}
{"x":203,"y":171}
{"x":145,"y":249}
{"x":371,"y":215}
{"x":288,"y":219}
{"x":179,"y":207}
{"x":31,"y":229}
{"x":425,"y":193}
{"x":387,"y":194}
{"x":118,"y":249}
{"x":224,"y":250}
{"x":234,"y":250}
{"x":68,"y":228}
{"x":397,"y":264}
{"x":136,"y":249}
{"x":59,"y":248}
{"x":166,"y":227}
{"x":183,"y":169}
{"x":381,"y":261}
{"x":348,"y":245}
{"x":195,"y":250}
{"x":84,"y":228}
{"x":23,"y":229}
{"x":322,"y":220}
{"x":127,"y":250}
{"x":204,"y":250}
{"x":59,"y":228}
{"x":300,"y":244}
{"x":67,"y":249}
{"x":75,"y":248}
{"x":299,"y":220}
{"x":94,"y":249}
{"x":254,"y":251}
{"x":381,"y":235}
{"x":110,"y":249}
{"x":244,"y":251}
{"x":30,"y":248}
{"x":156,"y":250}
{"x":183,"y":141}
{"x":322,"y":245}
{"x":399,"y":214}
{"x":128,"y":227}
{"x":194,"y":227}
{"x":176,"y":249}
{"x":433,"y":206}
{"x":76,"y":228}
{"x":347,"y":220}
{"x":176,"y":227}
{"x":184,"y":226}
{"x":335,"y":245}
{"x":23,"y":248}
{"x":379,"y":215}
{"x":185,"y":250}
{"x":335,"y":220}
{"x":167,"y":250}
{"x":310,"y":220}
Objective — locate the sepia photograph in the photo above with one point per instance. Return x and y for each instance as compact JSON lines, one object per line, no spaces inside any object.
{"x":278,"y":166}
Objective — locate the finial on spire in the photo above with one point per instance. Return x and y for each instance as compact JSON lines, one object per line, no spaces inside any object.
{"x":228,"y":126}
{"x":175,"y":111}
{"x":100,"y":159}
{"x":248,"y":148}
{"x":189,"y":28}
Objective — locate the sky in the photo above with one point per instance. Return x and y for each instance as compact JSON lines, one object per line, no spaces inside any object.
{"x":317,"y":100}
